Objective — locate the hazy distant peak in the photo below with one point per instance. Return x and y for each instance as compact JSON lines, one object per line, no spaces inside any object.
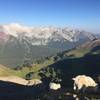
{"x":45,"y":35}
{"x":15,"y":29}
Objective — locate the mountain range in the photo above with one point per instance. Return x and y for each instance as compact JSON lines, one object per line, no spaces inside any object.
{"x":19,"y":42}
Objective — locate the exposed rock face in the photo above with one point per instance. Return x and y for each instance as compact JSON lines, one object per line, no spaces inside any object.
{"x":34,"y":82}
{"x":90,"y":44}
{"x":18,"y":80}
{"x":16,"y":29}
{"x":81,"y":81}
{"x":54,"y":86}
{"x":44,"y":35}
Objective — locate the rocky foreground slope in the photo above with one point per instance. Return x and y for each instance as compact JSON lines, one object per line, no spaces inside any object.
{"x":19,"y":80}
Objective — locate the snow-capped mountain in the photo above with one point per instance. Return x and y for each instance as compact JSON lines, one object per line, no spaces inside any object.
{"x":43,"y":35}
{"x":19,"y":42}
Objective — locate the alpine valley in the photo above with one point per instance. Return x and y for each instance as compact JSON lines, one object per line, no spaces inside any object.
{"x":19,"y":42}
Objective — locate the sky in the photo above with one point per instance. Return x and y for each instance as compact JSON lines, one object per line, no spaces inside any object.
{"x":83,"y":14}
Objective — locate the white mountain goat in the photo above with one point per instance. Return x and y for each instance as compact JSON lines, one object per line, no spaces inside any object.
{"x":54,"y":86}
{"x":83,"y":81}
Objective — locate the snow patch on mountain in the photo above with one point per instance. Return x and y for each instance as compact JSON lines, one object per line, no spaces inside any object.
{"x":44,"y":35}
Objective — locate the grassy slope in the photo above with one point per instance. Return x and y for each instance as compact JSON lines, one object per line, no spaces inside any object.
{"x":4,"y":71}
{"x":75,"y":53}
{"x":12,"y":55}
{"x":34,"y":69}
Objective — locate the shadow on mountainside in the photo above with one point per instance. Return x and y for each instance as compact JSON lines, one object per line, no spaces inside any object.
{"x":88,"y":65}
{"x":97,"y":48}
{"x":13,"y":91}
{"x":69,"y":68}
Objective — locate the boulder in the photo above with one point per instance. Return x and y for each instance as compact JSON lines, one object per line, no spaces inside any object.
{"x":54,"y":86}
{"x":83,"y":81}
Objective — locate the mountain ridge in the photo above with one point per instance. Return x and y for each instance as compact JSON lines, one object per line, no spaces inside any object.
{"x":19,"y":42}
{"x":44,"y":33}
